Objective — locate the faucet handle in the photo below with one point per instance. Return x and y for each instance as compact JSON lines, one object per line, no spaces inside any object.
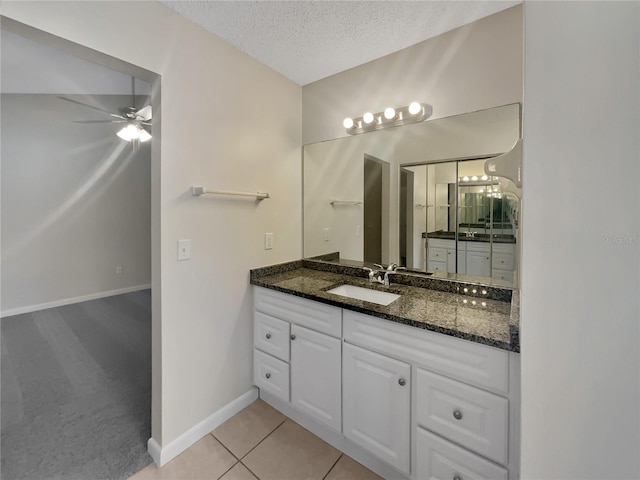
{"x":392,"y":267}
{"x":377,"y":265}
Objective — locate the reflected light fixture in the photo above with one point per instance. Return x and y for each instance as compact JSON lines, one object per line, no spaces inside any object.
{"x":391,"y":117}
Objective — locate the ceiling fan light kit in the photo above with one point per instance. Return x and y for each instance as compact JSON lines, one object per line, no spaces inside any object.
{"x":136,"y":120}
{"x":134,"y":132}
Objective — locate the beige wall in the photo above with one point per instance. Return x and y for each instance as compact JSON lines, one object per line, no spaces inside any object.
{"x":580,"y":310}
{"x":471,"y":68}
{"x":214,"y":99}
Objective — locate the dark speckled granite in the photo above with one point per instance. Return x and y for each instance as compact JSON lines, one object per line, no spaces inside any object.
{"x":470,"y":316}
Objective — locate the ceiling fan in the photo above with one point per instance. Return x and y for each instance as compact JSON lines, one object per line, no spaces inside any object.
{"x":138,"y":122}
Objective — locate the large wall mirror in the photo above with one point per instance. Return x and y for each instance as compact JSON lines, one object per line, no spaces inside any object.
{"x":417,"y":196}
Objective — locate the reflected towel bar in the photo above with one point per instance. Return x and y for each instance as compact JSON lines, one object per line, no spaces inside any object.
{"x":333,"y":201}
{"x":197,"y":191}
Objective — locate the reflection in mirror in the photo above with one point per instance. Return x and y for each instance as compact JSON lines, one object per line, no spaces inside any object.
{"x":426,"y":217}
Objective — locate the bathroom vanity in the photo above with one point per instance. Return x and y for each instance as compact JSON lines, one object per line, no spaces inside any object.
{"x":424,"y":387}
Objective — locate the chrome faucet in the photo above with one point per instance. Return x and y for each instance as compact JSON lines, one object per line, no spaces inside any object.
{"x":376,"y":275}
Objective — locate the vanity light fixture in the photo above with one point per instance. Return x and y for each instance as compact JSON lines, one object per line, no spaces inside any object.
{"x":391,"y":117}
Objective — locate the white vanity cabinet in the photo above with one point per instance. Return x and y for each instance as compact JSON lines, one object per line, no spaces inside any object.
{"x":503,"y":261}
{"x":297,"y":353}
{"x":377,"y":399}
{"x":404,"y":401}
{"x":465,"y":399}
{"x":480,"y":259}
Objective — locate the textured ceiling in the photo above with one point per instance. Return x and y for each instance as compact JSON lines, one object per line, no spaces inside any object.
{"x":308,"y":40}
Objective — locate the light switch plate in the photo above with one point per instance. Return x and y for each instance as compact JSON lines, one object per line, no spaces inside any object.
{"x":184,"y":249}
{"x":326,"y":235}
{"x":268,"y":241}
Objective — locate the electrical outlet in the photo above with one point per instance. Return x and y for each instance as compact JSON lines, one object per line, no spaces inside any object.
{"x":268,"y":241}
{"x":325,"y":235}
{"x":119,"y":270}
{"x":184,"y":249}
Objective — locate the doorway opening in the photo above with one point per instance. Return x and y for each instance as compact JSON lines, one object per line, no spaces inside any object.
{"x":376,"y":210}
{"x":80,"y":222}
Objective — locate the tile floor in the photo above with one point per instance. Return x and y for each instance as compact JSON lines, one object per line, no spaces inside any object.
{"x":259,"y":443}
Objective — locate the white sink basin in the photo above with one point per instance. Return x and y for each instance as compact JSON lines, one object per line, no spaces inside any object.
{"x":366,"y":294}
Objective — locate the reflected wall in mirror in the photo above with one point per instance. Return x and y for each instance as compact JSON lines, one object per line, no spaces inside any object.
{"x":419,"y":194}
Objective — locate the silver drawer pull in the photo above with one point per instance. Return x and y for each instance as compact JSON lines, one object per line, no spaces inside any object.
{"x":268,"y":375}
{"x":293,"y":337}
{"x":268,"y":335}
{"x":402,"y":382}
{"x":457,"y":477}
{"x":457,"y":414}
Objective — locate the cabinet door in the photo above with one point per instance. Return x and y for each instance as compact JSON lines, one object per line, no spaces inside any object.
{"x":376,"y":402}
{"x":315,"y":375}
{"x":478,"y":264}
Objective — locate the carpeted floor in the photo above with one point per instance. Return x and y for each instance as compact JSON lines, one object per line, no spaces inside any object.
{"x":76,"y":390}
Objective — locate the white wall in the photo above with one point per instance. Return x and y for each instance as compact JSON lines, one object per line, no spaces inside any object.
{"x":76,"y":203}
{"x":214,"y":101}
{"x":471,"y":68}
{"x":580,"y":273}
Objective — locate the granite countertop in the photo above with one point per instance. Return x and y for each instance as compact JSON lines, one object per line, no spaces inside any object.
{"x":483,"y":314}
{"x":478,"y":237}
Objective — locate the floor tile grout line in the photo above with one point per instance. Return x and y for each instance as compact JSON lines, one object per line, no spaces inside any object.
{"x":333,"y":466}
{"x":252,"y":472}
{"x":229,"y":469}
{"x":225,"y":447}
{"x":267,"y":436}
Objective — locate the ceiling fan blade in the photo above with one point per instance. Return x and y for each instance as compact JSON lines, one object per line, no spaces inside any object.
{"x":99,"y":121}
{"x":145,"y":112}
{"x":86,"y":105}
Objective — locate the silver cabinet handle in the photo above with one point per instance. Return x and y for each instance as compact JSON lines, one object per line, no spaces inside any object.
{"x":457,"y":414}
{"x":402,"y":382}
{"x":268,"y":375}
{"x":268,"y":335}
{"x":293,"y":337}
{"x":457,"y":477}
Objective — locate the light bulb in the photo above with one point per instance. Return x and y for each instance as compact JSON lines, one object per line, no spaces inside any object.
{"x":347,"y":123}
{"x":414,"y":108}
{"x":484,"y":178}
{"x":465,"y":179}
{"x":128,"y":133}
{"x":368,"y":118}
{"x":144,"y":135}
{"x":389,"y":113}
{"x":474,"y":179}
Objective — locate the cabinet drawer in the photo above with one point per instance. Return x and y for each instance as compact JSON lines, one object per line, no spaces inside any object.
{"x":437,"y":254}
{"x":437,"y":266}
{"x":271,"y":335}
{"x":271,"y":374}
{"x":314,"y":315}
{"x":439,"y":243}
{"x":505,"y":248}
{"x":473,"y":363}
{"x":483,"y":247}
{"x":502,"y":261}
{"x":506,"y":275}
{"x":438,"y":459}
{"x":474,"y":418}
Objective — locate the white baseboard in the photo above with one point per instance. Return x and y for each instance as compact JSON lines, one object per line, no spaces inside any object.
{"x":162,"y":455}
{"x":69,"y":301}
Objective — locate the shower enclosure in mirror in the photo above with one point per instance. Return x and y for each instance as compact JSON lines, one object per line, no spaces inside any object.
{"x":417,"y":196}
